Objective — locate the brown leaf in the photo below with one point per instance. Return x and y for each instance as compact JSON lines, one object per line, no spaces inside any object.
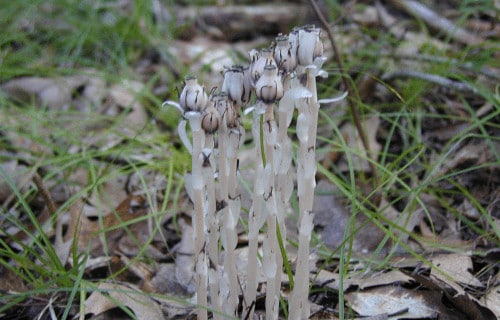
{"x":90,"y":233}
{"x":10,"y":281}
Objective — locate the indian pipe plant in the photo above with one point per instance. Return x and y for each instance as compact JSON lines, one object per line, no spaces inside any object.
{"x":283,"y":79}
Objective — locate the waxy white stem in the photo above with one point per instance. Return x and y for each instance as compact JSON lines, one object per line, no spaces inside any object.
{"x":194,"y":119}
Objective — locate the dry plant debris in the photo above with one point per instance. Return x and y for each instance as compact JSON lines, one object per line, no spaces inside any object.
{"x":82,"y":169}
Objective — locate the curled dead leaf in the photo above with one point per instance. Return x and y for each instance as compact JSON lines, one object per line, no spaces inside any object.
{"x":110,"y":295}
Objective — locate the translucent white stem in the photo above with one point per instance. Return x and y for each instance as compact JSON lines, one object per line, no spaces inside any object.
{"x":254,"y":224}
{"x":198,"y":218}
{"x":224,"y":211}
{"x":273,"y":261}
{"x":299,"y":309}
{"x":272,"y":270}
{"x":212,"y":225}
{"x":231,"y":216}
{"x":307,"y":123}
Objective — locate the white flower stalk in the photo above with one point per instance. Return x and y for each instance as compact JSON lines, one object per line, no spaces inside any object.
{"x":192,"y":102}
{"x":306,"y":132}
{"x":272,"y":269}
{"x":268,"y":90}
{"x":284,"y":152}
{"x":229,"y":141}
{"x":256,"y":219}
{"x":210,"y":123}
{"x":298,"y":304}
{"x":212,"y":227}
{"x":309,"y":50}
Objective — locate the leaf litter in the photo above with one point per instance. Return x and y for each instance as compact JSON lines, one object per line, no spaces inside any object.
{"x":122,"y":231}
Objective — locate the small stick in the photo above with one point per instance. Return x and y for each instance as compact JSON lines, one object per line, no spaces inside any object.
{"x":433,"y":78}
{"x":437,"y":21}
{"x":45,"y":193}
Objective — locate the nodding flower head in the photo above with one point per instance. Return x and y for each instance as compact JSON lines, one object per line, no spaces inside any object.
{"x":284,"y":56}
{"x":210,"y":119}
{"x":237,"y":85}
{"x":227,"y":109}
{"x":269,"y":87}
{"x":193,"y":96}
{"x":259,"y":62}
{"x":309,"y":45}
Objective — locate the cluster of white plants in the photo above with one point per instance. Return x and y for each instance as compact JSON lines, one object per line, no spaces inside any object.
{"x":283,"y":79}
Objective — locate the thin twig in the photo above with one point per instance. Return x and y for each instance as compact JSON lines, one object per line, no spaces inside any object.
{"x":453,"y":63}
{"x":433,"y":78}
{"x":437,"y":21}
{"x":354,"y":103}
{"x":45,"y":193}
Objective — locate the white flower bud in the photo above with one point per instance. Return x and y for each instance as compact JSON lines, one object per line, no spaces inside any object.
{"x":269,"y":87}
{"x":232,"y":116}
{"x":318,"y":48}
{"x":237,"y":85}
{"x":264,"y":58}
{"x":293,"y":39}
{"x":193,"y":97}
{"x":283,"y":55}
{"x":253,"y":55}
{"x":227,"y":110}
{"x":247,"y":85}
{"x":308,"y":47}
{"x":211,"y":119}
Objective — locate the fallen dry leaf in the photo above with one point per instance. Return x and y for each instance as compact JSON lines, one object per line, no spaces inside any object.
{"x":54,"y":93}
{"x":396,"y":302}
{"x":492,"y":300}
{"x":331,"y":280}
{"x":455,"y":295}
{"x":107,"y":235}
{"x":454,"y":267}
{"x":110,"y":295}
{"x":126,"y":95}
{"x":10,"y":281}
{"x":18,"y":174}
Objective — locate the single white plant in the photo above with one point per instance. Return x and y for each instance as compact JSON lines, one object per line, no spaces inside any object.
{"x":310,"y":59}
{"x":236,"y":91}
{"x":193,"y":102}
{"x":269,"y":89}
